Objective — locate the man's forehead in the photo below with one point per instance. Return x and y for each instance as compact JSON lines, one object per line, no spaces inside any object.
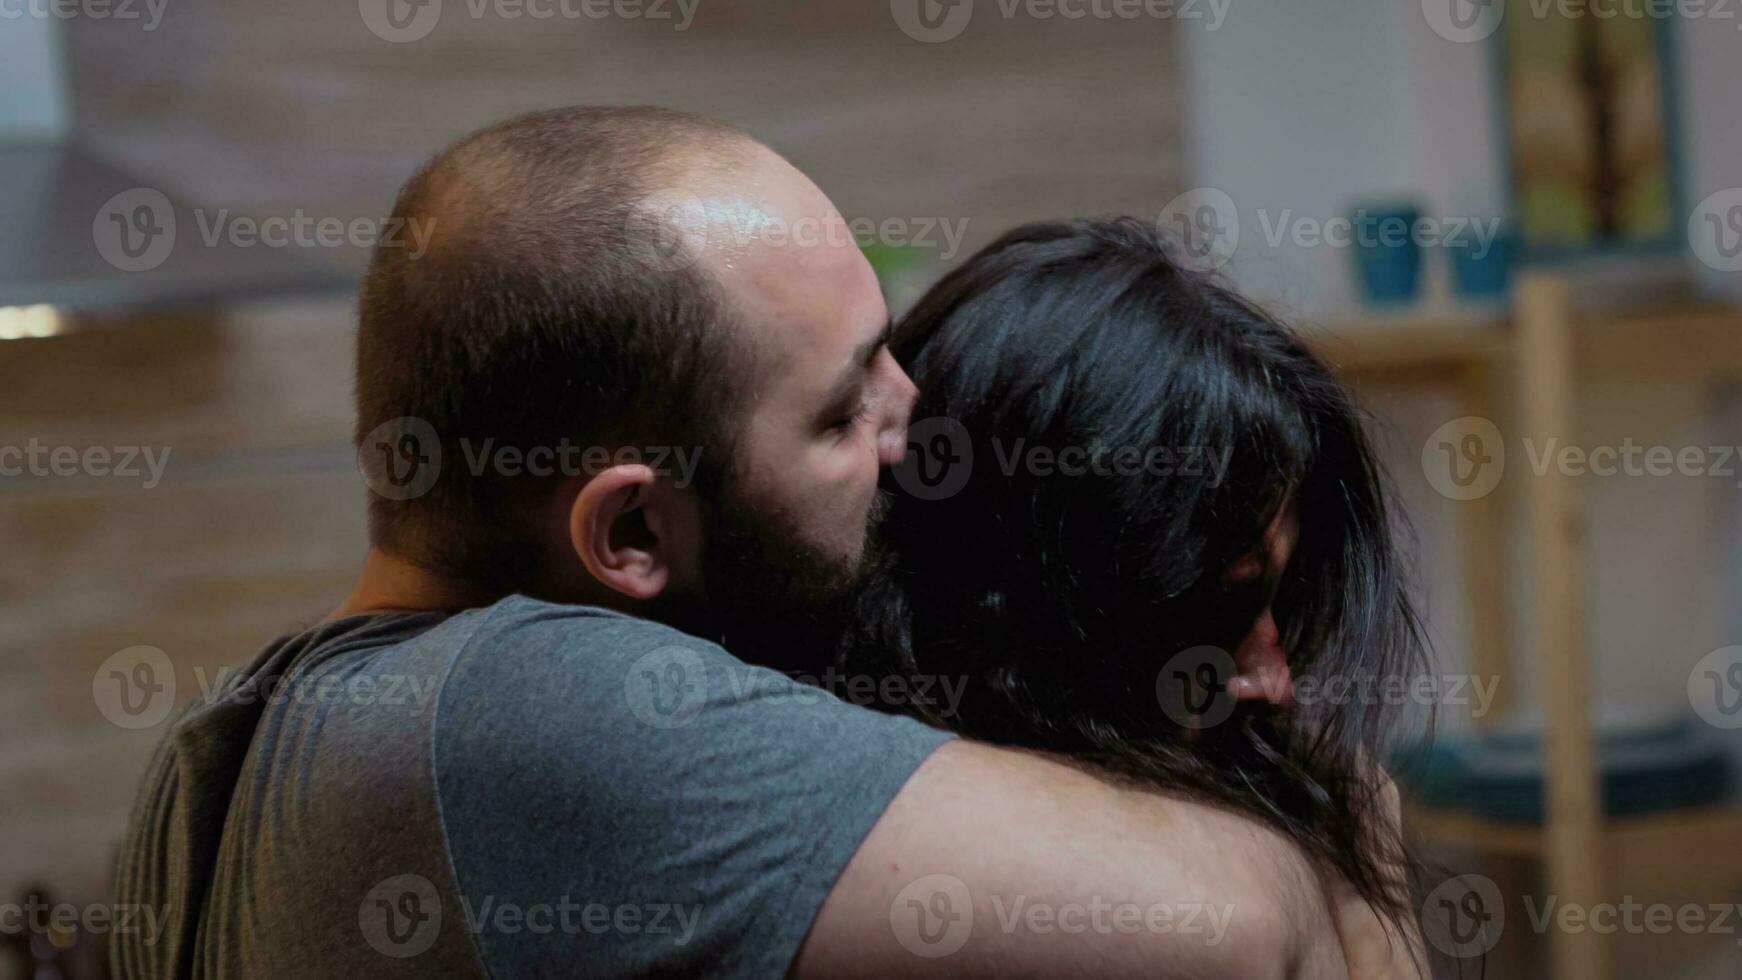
{"x":782,"y":255}
{"x":796,"y":296}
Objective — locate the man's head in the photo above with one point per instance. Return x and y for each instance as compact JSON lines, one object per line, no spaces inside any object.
{"x":608,"y":293}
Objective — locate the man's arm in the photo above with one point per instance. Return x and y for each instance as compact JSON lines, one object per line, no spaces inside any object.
{"x":1374,"y":947}
{"x":995,"y":862}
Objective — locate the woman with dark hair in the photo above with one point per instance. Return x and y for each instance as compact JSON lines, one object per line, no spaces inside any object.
{"x":1135,"y":513}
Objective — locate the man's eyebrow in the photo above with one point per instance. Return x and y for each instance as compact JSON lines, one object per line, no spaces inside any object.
{"x":861,"y":360}
{"x":867,"y":352}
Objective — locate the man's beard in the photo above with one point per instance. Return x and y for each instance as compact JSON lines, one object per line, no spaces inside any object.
{"x":770,"y":599}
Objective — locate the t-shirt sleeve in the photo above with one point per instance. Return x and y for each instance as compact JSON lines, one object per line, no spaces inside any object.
{"x":622,"y":799}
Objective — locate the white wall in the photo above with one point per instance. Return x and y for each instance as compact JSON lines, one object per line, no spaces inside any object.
{"x":1301,"y":106}
{"x":32,"y":98}
{"x":1317,"y":104}
{"x":1711,"y":53}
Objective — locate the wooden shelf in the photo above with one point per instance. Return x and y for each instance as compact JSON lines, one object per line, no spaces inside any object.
{"x":1527,"y":368}
{"x":1675,"y":847}
{"x":1427,"y":345}
{"x":1468,"y":829}
{"x":1653,"y":344}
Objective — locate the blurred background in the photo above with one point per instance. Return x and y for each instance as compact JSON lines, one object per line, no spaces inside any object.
{"x":1515,"y":227}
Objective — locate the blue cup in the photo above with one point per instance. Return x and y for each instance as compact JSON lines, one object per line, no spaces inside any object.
{"x":1483,"y":271}
{"x":1387,"y":256}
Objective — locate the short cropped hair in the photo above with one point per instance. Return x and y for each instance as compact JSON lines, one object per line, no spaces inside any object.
{"x":544,"y":312}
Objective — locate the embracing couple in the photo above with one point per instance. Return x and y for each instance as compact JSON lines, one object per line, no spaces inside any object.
{"x":610,"y":770}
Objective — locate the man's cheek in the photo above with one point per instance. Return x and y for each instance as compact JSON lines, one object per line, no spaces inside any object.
{"x":860,"y":490}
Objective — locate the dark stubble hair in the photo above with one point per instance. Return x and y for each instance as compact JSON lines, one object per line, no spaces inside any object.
{"x":770,"y":598}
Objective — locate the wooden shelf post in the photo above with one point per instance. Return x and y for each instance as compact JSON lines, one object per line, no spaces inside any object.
{"x":1573,"y":838}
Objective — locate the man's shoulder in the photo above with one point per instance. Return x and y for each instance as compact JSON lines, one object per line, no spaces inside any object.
{"x":593,"y":759}
{"x":577,"y":671}
{"x":538,"y":628}
{"x":530,"y":652}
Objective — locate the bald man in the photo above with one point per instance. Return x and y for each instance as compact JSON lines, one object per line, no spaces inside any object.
{"x":628,"y":413}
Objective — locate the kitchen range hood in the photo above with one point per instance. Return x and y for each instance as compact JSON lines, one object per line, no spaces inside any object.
{"x":77,"y":233}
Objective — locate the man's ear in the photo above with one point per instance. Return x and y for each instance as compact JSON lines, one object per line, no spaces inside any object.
{"x":618,"y":529}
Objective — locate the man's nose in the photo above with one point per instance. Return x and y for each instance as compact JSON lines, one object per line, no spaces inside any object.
{"x":892,"y":441}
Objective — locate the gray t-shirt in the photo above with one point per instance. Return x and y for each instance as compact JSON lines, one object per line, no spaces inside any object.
{"x":525,"y":790}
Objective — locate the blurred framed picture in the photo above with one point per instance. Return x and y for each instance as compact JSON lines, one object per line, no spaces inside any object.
{"x":1590,"y":133}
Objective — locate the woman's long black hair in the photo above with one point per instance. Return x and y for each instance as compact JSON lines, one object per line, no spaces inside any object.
{"x":1061,"y":599}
